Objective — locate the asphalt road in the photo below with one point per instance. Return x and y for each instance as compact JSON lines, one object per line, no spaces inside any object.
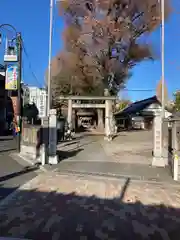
{"x":12,"y":173}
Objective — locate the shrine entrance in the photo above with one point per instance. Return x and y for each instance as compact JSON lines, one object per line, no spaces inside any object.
{"x":87,"y":117}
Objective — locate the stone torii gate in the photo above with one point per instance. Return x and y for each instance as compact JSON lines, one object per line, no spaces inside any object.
{"x":73,"y":104}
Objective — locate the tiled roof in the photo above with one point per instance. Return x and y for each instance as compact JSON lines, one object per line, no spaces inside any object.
{"x":138,"y":106}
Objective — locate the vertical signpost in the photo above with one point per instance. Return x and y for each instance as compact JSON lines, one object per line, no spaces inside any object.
{"x":53,"y":159}
{"x":159,"y":159}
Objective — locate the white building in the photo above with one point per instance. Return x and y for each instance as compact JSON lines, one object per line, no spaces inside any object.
{"x":38,"y":96}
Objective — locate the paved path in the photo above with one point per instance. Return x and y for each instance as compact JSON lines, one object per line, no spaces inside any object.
{"x":7,"y":143}
{"x":52,"y":206}
{"x":90,"y":155}
{"x":134,"y":147}
{"x":12,"y":173}
{"x":83,"y":149}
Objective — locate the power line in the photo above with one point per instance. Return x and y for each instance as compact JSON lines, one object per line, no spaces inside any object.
{"x":138,"y":90}
{"x":29,"y":64}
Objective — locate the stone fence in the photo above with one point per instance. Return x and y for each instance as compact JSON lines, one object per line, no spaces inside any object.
{"x":39,"y":142}
{"x":174,"y":146}
{"x":174,"y":134}
{"x":31,"y":139}
{"x":30,"y":134}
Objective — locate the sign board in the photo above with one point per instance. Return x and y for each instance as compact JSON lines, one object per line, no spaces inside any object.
{"x":11,"y":77}
{"x":157,"y":136}
{"x":11,"y":52}
{"x":10,"y":58}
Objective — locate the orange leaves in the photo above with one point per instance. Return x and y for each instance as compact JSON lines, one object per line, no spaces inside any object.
{"x":159,"y":92}
{"x":63,"y":6}
{"x":94,"y":27}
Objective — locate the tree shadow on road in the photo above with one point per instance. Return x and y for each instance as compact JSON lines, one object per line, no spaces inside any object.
{"x":35,"y":214}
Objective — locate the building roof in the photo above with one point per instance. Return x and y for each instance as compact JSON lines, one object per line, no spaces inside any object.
{"x":138,"y":106}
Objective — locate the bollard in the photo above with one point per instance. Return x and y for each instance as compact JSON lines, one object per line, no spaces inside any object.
{"x":175,"y":166}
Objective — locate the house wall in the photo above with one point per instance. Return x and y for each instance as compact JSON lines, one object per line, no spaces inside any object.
{"x":156,"y":108}
{"x":2,"y":102}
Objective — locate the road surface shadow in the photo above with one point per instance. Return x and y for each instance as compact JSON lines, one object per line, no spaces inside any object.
{"x":4,"y":192}
{"x":5,"y":139}
{"x":35,"y":215}
{"x":8,"y":150}
{"x":63,"y":155}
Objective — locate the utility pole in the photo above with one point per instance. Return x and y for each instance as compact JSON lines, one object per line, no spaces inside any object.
{"x":19,"y":102}
{"x":49,"y":100}
{"x":162,"y":58}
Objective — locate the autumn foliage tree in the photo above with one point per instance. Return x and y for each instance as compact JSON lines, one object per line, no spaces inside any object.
{"x":73,"y":78}
{"x":177,"y":102}
{"x":102,"y":41}
{"x":159,"y":92}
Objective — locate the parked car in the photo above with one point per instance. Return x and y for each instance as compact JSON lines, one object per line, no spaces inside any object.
{"x":138,"y":122}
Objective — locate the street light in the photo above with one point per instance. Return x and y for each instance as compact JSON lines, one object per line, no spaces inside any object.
{"x":19,"y":60}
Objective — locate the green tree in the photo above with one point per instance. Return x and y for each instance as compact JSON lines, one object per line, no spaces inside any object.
{"x":123,"y":104}
{"x":159,"y":92}
{"x":31,"y":112}
{"x":177,"y":102}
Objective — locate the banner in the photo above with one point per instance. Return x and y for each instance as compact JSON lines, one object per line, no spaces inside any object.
{"x":14,"y":104}
{"x":11,"y":77}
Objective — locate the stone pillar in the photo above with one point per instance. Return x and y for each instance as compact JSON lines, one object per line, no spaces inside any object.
{"x":108,"y":110}
{"x":114,"y":127}
{"x":176,"y":135}
{"x":53,"y":159}
{"x":69,"y":118}
{"x":112,"y":121}
{"x":175,"y":146}
{"x":158,"y":158}
{"x":175,"y":167}
{"x":165,"y":141}
{"x":44,"y":141}
{"x":100,"y":119}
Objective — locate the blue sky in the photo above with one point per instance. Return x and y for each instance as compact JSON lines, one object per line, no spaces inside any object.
{"x":32,"y":19}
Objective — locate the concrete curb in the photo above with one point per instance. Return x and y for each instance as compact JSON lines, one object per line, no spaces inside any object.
{"x":24,"y":161}
{"x":114,"y":177}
